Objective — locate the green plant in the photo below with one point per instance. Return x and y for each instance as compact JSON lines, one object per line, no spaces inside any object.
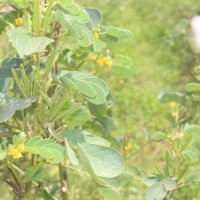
{"x":48,"y":97}
{"x":179,"y":161}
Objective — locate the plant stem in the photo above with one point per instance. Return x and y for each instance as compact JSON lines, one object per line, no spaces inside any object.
{"x":15,"y":175}
{"x":63,"y":183}
{"x":32,"y":159}
{"x":183,"y":173}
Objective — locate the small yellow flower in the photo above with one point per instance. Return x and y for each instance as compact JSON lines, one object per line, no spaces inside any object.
{"x":172,"y":104}
{"x":100,"y":61}
{"x":14,"y":153}
{"x":20,"y":147}
{"x":127,"y":147}
{"x":94,"y":57}
{"x":104,"y":61}
{"x":108,"y":61}
{"x":1,"y":8}
{"x":18,"y":21}
{"x":96,"y":35}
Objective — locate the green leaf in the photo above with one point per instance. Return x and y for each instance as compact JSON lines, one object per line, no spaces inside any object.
{"x":4,"y":84}
{"x":78,"y":12}
{"x":107,"y":124}
{"x":85,"y":88}
{"x":3,"y":154}
{"x":73,"y":113}
{"x":193,"y":87}
{"x":20,"y":3}
{"x":98,"y":110}
{"x":160,"y":136}
{"x":168,"y":96}
{"x":118,"y":182}
{"x":99,"y":45}
{"x":102,"y":161}
{"x":5,"y":73}
{"x":19,"y":139}
{"x":135,"y":172}
{"x":25,"y":43}
{"x":190,"y":155}
{"x":169,"y":184}
{"x":3,"y":25}
{"x":95,"y":16}
{"x":151,"y":180}
{"x":11,"y":63}
{"x":77,"y":136}
{"x":193,"y":177}
{"x":58,"y":152}
{"x":192,"y":128}
{"x":6,"y":112}
{"x":82,"y":16}
{"x":33,"y":141}
{"x":8,"y":17}
{"x":108,"y":39}
{"x":122,"y":65}
{"x":72,"y":156}
{"x":52,"y":132}
{"x":67,"y":3}
{"x":94,"y":89}
{"x":123,"y":35}
{"x":87,"y":39}
{"x":47,"y":195}
{"x":8,"y":105}
{"x":156,"y":192}
{"x":81,"y":33}
{"x":108,"y":193}
{"x":35,"y":173}
{"x":47,"y":149}
{"x":197,"y":69}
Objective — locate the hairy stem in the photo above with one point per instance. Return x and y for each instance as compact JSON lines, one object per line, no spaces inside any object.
{"x":63,"y":183}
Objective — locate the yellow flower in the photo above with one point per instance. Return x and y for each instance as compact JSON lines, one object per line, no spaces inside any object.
{"x":172,"y":104}
{"x":96,"y":35}
{"x":20,"y":147}
{"x":94,"y":57}
{"x":104,"y":61}
{"x":100,"y":61}
{"x":1,"y":8}
{"x":108,"y":61}
{"x":127,"y":147}
{"x":18,"y":21}
{"x":14,"y":153}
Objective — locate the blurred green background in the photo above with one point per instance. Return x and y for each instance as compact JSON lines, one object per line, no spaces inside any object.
{"x":162,"y":59}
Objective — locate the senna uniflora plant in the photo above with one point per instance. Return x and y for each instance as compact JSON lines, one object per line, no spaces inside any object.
{"x":177,"y":172}
{"x":50,"y":101}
